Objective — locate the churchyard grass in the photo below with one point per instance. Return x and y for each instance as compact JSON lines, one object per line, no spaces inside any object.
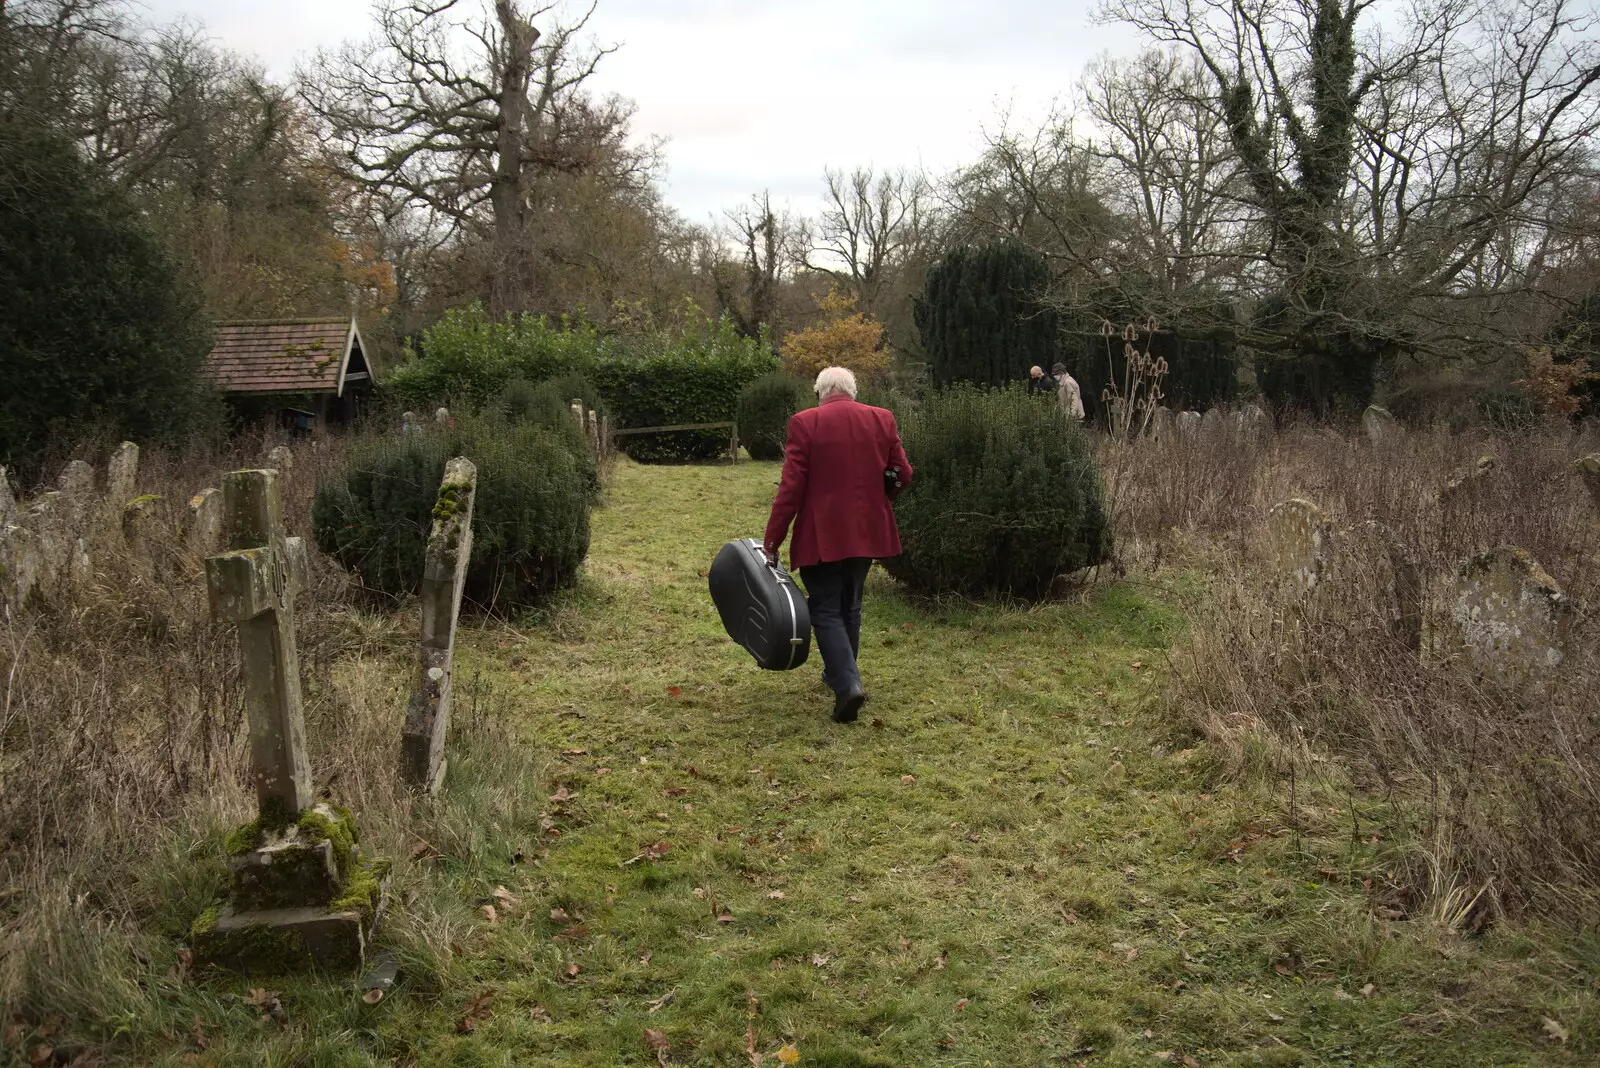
{"x":647,"y":851}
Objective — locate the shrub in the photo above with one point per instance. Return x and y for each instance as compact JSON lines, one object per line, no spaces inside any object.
{"x":979,"y":316}
{"x":530,"y":523}
{"x":1006,"y":496}
{"x":845,"y":338}
{"x":543,"y":405}
{"x":97,"y":329}
{"x":466,"y":358}
{"x":765,"y":406}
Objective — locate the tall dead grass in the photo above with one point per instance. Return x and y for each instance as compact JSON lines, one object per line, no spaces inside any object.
{"x":123,"y":738}
{"x":1496,"y":783}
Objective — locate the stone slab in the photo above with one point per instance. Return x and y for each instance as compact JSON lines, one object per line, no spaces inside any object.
{"x":20,"y":565}
{"x":202,"y":524}
{"x":1380,"y":425}
{"x":122,"y":475}
{"x":1511,"y":615}
{"x":286,"y":873}
{"x":1300,"y":542}
{"x":282,"y":941}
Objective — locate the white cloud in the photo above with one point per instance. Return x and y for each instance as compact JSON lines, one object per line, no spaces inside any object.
{"x":755,"y":95}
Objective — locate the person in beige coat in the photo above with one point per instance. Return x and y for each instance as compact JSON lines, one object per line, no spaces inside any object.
{"x":1067,"y":392}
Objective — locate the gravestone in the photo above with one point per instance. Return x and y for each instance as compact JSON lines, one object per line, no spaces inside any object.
{"x":1512,"y":616}
{"x":1380,"y":426}
{"x":141,"y":532}
{"x":122,"y":476}
{"x":77,"y":490}
{"x":20,"y":565}
{"x":202,"y":524}
{"x":1188,"y":422}
{"x":1463,"y":484}
{"x":299,"y":894}
{"x":1300,"y":542}
{"x":8,"y":503}
{"x":1161,"y":423}
{"x":281,"y":460}
{"x":442,"y":416}
{"x":1250,"y":419}
{"x":48,"y":520}
{"x":593,"y":426}
{"x":1588,"y":469}
{"x":1213,"y":420}
{"x":408,"y":423}
{"x":443,"y":578}
{"x":1400,"y":586}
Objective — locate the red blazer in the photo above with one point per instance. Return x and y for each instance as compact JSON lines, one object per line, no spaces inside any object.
{"x":832,"y":488}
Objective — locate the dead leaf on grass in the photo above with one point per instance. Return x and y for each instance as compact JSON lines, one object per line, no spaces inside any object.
{"x":657,"y":1041}
{"x":908,"y":780}
{"x":477,"y":1009}
{"x":820,"y":959}
{"x":508,"y":901}
{"x":490,"y":914}
{"x":963,"y":1003}
{"x":789,"y":1054}
{"x":775,"y":895}
{"x":373,"y":996}
{"x":674,"y":691}
{"x":41,"y":1055}
{"x":1368,"y":990}
{"x":560,"y":916}
{"x":1283,"y":967}
{"x":944,"y":959}
{"x":1554,"y":1029}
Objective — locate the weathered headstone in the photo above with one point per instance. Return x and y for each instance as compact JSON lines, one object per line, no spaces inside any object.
{"x":20,"y":565}
{"x":298,"y":893}
{"x":141,"y":531}
{"x":442,"y":416}
{"x":443,"y":579}
{"x":1250,"y":419}
{"x":1380,"y":426}
{"x":1588,"y":469}
{"x":122,"y":476}
{"x":592,"y":424}
{"x":8,"y":503}
{"x":1512,"y":616}
{"x":202,"y":524}
{"x":77,"y":490}
{"x":1300,"y":542}
{"x":49,"y":520}
{"x":408,"y":423}
{"x":1161,"y":423}
{"x":1399,"y":587}
{"x":281,"y":459}
{"x":1213,"y":420}
{"x":1463,"y":483}
{"x":1188,"y":422}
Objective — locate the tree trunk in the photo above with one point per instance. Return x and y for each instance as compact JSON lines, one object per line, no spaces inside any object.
{"x":508,"y":291}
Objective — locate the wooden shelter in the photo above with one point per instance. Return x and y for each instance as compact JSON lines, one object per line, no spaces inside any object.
{"x":305,"y":370}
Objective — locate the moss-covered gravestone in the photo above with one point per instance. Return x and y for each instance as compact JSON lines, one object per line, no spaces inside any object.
{"x":443,"y":578}
{"x":300,"y":894}
{"x":1512,"y":616}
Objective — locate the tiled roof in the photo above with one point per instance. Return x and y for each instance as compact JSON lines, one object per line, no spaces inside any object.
{"x":281,"y":356}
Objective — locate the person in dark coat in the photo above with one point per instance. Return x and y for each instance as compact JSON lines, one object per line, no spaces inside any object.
{"x":836,"y":495}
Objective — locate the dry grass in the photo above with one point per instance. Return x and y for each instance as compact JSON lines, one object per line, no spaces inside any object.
{"x":1495,"y":785}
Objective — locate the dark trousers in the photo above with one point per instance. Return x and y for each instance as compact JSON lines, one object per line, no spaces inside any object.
{"x":833,"y":595}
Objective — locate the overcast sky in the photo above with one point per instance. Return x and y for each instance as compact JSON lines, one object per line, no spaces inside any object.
{"x":757,"y":95}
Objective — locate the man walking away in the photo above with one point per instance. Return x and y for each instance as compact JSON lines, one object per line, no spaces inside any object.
{"x":836,"y":490}
{"x":1067,"y":392}
{"x":1039,"y":382}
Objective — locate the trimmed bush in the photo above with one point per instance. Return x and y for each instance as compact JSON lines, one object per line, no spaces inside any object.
{"x":765,"y":406}
{"x":542,"y":405}
{"x":530,"y":524}
{"x":980,"y":319}
{"x":1006,"y":496}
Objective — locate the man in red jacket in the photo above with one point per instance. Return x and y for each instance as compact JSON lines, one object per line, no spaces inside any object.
{"x":836,"y":492}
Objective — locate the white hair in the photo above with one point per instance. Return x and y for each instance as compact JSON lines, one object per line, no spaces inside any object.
{"x":833,"y":380}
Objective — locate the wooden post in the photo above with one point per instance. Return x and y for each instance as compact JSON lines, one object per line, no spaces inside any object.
{"x":733,"y":443}
{"x":254,"y":585}
{"x":444,"y":577}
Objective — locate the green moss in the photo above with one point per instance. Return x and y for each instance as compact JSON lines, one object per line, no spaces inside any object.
{"x":243,"y":839}
{"x":257,"y":949}
{"x":206,"y":922}
{"x":330,"y":823}
{"x":363,"y":890}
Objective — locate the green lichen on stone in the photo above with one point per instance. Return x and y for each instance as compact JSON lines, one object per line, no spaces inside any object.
{"x":275,"y":817}
{"x":243,"y":839}
{"x":266,"y":950}
{"x":362,"y":891}
{"x":145,"y":498}
{"x":206,"y":922}
{"x":330,"y":823}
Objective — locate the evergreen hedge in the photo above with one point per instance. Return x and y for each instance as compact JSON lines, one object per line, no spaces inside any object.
{"x":530,"y":523}
{"x":1006,"y":496}
{"x":980,"y":318}
{"x":765,"y":406}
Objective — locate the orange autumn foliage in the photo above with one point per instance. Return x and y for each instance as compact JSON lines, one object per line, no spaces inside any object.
{"x":1556,"y":386}
{"x":848,"y":338}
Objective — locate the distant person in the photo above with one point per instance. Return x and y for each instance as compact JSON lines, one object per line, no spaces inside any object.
{"x":1039,"y":382}
{"x":1068,"y":395}
{"x":836,"y":491}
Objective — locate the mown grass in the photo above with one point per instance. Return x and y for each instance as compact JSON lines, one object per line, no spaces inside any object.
{"x":1013,"y":859}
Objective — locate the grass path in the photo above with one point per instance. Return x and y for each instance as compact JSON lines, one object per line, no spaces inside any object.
{"x":1010,"y":860}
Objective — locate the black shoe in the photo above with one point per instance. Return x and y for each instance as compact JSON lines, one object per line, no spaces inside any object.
{"x":847,"y":706}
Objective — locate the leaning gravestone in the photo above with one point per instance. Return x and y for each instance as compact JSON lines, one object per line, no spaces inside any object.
{"x":1464,"y":484}
{"x":20,"y":565}
{"x":1161,"y":423}
{"x":122,"y":476}
{"x":444,"y":576}
{"x":202,"y":525}
{"x":77,"y":490}
{"x":48,"y":520}
{"x":1588,"y":469}
{"x":1512,"y":616}
{"x":1300,"y":542}
{"x":299,"y":894}
{"x":1380,"y":426}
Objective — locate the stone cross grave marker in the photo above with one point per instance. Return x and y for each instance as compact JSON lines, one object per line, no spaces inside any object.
{"x":298,"y":893}
{"x":1512,"y":616}
{"x":1379,"y":425}
{"x":254,"y":585}
{"x":1300,"y":542}
{"x":1588,"y":469}
{"x":444,"y":576}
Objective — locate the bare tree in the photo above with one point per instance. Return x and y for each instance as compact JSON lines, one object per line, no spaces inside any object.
{"x":767,"y":241}
{"x":464,"y":137}
{"x":869,"y":224}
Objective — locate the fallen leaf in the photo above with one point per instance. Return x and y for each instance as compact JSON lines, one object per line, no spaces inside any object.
{"x":725,"y":916}
{"x":539,"y":1014}
{"x":477,"y":1009}
{"x":574,"y":752}
{"x":508,"y":901}
{"x":674,"y":691}
{"x":908,"y":780}
{"x":776,"y":895}
{"x":656,"y":1040}
{"x":877,"y":724}
{"x":373,"y":996}
{"x":490,"y":914}
{"x":562,"y":794}
{"x":789,"y":1054}
{"x":676,"y":791}
{"x":1368,"y":990}
{"x":1137,"y":664}
{"x":657,"y":851}
{"x":1282,"y":968}
{"x":820,"y":959}
{"x":661,"y":1002}
{"x":699,"y":893}
{"x":963,"y":1003}
{"x":572,"y":971}
{"x":560,"y":916}
{"x":944,"y":959}
{"x":1555,"y":1030}
{"x":644,"y":957}
{"x":948,"y":1041}
{"x":1132,"y":953}
{"x":41,"y":1055}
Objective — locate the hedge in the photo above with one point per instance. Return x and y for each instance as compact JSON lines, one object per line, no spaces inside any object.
{"x":765,"y":406}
